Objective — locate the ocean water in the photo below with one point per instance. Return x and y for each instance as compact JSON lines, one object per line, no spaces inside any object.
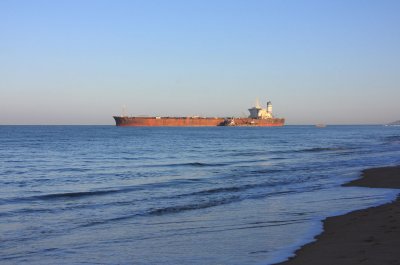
{"x":221,"y":195}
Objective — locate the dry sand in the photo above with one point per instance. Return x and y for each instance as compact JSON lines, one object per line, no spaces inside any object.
{"x":367,"y":237}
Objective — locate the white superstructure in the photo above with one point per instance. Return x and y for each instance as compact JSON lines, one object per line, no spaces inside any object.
{"x":258,"y":112}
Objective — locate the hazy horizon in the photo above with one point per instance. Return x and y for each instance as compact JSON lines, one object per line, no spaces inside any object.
{"x":73,"y":62}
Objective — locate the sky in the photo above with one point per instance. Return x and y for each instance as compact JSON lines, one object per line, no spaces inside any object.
{"x":80,"y":62}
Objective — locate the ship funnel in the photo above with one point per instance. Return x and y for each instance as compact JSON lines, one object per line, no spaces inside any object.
{"x":269,"y":107}
{"x":255,"y":111}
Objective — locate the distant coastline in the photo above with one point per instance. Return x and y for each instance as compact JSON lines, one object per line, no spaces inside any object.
{"x":395,"y":123}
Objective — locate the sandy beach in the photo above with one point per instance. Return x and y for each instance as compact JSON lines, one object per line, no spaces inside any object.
{"x":370,"y":236}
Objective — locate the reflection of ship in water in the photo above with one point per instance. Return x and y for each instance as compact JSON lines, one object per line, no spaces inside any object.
{"x":258,"y":117}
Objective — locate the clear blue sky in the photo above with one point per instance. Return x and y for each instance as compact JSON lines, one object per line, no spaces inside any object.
{"x":79,"y":62}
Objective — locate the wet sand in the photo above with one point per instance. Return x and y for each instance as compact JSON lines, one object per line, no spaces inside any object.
{"x":367,"y":237}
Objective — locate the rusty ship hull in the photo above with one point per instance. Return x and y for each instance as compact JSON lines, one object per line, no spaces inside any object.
{"x":194,"y":121}
{"x":167,"y":121}
{"x":270,"y":122}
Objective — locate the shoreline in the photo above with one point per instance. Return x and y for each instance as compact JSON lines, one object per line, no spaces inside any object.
{"x":369,"y":236}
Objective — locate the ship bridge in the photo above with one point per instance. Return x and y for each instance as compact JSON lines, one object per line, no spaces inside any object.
{"x":257,"y":112}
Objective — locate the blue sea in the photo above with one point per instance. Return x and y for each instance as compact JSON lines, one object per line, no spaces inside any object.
{"x":220,"y":195}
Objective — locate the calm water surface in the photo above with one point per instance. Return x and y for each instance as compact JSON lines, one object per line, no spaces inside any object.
{"x":223,"y":195}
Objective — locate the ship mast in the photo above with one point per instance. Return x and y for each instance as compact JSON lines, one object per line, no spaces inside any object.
{"x":258,"y":106}
{"x":124,"y":111}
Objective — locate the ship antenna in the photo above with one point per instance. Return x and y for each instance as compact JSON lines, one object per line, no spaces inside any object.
{"x":258,"y":103}
{"x":124,"y":111}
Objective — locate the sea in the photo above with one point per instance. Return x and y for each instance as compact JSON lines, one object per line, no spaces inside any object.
{"x":180,"y":195}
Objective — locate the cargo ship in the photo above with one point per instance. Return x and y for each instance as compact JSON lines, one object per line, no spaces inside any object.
{"x":258,"y":117}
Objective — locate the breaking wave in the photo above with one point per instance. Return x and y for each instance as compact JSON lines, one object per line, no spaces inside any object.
{"x":323,"y":149}
{"x":194,"y":206}
{"x":190,"y":164}
{"x":74,"y":194}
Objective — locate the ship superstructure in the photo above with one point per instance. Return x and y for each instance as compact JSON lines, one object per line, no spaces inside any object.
{"x":257,"y":112}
